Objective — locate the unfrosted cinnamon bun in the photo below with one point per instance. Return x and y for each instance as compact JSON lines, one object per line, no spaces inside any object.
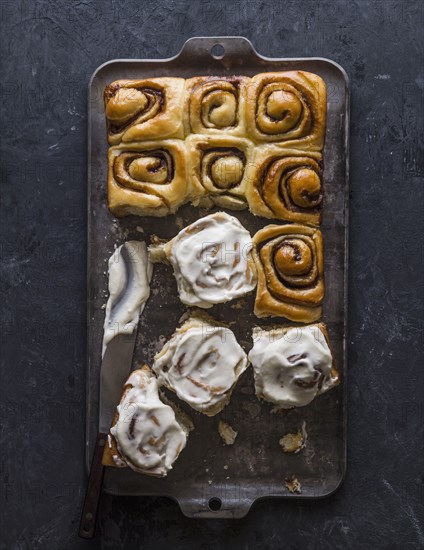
{"x":292,"y":365}
{"x":146,"y":434}
{"x":285,"y":185}
{"x":289,"y":262}
{"x":217,"y":168}
{"x":144,"y":109}
{"x":287,"y":107}
{"x":215,"y":105}
{"x":201,"y":363}
{"x":147,"y":178}
{"x":212,"y":260}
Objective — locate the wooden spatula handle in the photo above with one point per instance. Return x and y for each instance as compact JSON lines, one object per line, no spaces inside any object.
{"x":93,"y":491}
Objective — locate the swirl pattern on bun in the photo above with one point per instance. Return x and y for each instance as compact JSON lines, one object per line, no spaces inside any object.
{"x":287,"y":107}
{"x":289,"y":261}
{"x":218,"y":170}
{"x":215,"y":105}
{"x":144,"y":109}
{"x":286,"y":185}
{"x":147,"y":178}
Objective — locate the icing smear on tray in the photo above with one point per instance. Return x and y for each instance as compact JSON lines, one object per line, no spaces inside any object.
{"x":130,"y":273}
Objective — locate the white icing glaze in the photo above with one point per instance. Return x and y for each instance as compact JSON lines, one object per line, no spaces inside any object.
{"x":201,"y":364}
{"x":212,"y":261}
{"x":147,"y":434}
{"x":130,"y":272}
{"x":291,"y":369}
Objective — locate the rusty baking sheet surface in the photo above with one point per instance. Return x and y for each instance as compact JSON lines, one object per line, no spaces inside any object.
{"x":255,"y":466}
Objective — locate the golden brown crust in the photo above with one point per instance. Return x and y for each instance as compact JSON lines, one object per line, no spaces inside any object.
{"x":147,"y":178}
{"x":217,"y":170}
{"x":285,"y":184}
{"x":144,"y":109}
{"x":287,"y":107}
{"x":214,"y":105}
{"x":289,"y":262}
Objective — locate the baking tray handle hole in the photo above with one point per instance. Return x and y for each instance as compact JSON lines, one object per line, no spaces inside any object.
{"x":217,"y":51}
{"x":215,"y":504}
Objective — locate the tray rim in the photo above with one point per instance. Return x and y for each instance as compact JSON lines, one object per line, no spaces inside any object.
{"x":346,"y":125}
{"x":216,"y":39}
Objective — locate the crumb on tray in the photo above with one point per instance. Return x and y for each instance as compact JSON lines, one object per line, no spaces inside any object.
{"x":228,"y":435}
{"x":238,"y":305}
{"x":294,"y":442}
{"x":156,"y":241}
{"x":293,"y":484}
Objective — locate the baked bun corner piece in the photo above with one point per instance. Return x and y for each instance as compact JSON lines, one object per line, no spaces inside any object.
{"x":288,"y":108}
{"x":140,"y":110}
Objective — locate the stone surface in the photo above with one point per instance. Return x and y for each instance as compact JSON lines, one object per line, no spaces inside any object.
{"x":50,"y":49}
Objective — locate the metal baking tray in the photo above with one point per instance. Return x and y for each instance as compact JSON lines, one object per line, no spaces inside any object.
{"x":255,"y":466}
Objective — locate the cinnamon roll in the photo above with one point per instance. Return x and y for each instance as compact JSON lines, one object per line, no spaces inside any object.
{"x":218,"y":170}
{"x":146,"y":434}
{"x":289,"y":261}
{"x":287,"y":107}
{"x":215,"y":105}
{"x":285,"y":184}
{"x":292,"y":365}
{"x":147,"y":178}
{"x":201,"y":363}
{"x":147,"y":109}
{"x":212,"y":260}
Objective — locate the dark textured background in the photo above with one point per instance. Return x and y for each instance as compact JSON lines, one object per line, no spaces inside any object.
{"x":49,"y":50}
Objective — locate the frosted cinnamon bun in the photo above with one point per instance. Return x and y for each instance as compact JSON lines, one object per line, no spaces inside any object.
{"x":146,"y":434}
{"x":287,"y":107}
{"x":147,"y":109}
{"x":201,"y":363}
{"x":217,"y":168}
{"x":289,"y":262}
{"x":292,"y":365}
{"x":215,"y":105}
{"x":212,"y":260}
{"x":285,"y":184}
{"x":147,"y":179}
